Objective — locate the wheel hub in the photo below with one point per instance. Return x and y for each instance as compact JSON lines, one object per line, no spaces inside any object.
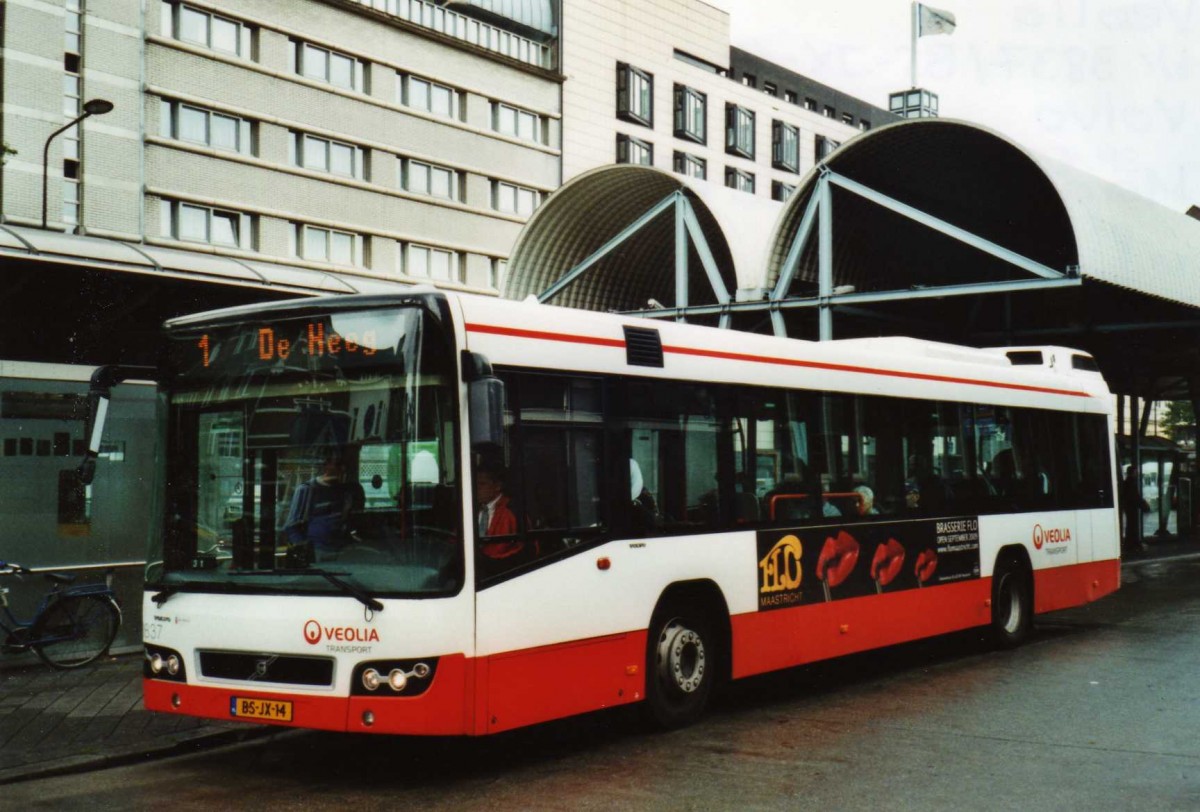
{"x":681,"y":658}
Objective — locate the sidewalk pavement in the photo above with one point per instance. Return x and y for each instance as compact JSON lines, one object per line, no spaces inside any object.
{"x":54,"y":722}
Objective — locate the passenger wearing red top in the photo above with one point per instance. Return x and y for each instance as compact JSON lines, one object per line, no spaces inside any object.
{"x":494,"y":517}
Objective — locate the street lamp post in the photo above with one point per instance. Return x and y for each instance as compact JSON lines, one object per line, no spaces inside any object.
{"x":92,"y":107}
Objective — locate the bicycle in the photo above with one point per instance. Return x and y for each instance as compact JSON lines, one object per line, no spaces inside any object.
{"x":72,"y":626}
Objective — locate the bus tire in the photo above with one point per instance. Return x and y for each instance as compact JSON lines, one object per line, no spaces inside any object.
{"x":1012,"y":603}
{"x":682,"y":664}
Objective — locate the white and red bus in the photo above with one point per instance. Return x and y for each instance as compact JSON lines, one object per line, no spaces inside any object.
{"x":681,"y":506}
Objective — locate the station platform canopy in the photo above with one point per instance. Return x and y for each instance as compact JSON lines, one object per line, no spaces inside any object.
{"x":87,"y":300}
{"x":932,"y":228}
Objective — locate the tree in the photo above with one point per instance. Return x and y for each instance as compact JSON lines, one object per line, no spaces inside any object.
{"x":1178,"y":413}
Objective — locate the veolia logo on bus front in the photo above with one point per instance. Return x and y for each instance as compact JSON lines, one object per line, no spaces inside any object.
{"x":315,"y":632}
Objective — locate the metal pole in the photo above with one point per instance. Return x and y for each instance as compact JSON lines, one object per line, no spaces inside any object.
{"x":825,"y":259}
{"x":46,"y":161}
{"x":916,"y":16}
{"x":681,"y":258}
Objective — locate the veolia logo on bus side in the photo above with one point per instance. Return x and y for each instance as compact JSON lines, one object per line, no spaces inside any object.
{"x":1055,"y":535}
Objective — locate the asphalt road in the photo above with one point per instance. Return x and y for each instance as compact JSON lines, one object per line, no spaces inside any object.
{"x":1101,"y":710}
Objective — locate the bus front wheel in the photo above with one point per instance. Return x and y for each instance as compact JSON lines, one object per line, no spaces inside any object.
{"x":681,"y":665}
{"x":1012,"y":603}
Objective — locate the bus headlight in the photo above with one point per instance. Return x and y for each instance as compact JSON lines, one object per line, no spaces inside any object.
{"x":394,"y":677}
{"x":163,"y":663}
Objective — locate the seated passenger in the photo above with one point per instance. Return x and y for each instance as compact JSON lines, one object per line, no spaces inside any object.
{"x":866,"y":503}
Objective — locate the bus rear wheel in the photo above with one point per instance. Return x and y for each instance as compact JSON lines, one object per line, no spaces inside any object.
{"x":1012,"y":604}
{"x":681,"y":665}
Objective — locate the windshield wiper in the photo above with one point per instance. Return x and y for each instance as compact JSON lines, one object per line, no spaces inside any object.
{"x":363,"y":597}
{"x":163,"y":595}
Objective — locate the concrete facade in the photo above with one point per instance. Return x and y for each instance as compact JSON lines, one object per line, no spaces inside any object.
{"x":139,"y":166}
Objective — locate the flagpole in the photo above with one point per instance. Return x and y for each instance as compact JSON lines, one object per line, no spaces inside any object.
{"x":913,"y":52}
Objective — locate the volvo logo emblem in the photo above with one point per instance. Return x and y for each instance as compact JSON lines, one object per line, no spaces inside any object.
{"x":261,"y":666}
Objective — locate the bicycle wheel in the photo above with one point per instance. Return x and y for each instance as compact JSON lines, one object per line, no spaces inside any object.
{"x":75,"y":630}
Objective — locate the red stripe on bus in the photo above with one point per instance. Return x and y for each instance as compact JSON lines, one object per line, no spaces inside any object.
{"x":766,"y":359}
{"x":564,"y":679}
{"x":892,"y":373}
{"x":1061,"y":587}
{"x":782,"y":638}
{"x":545,"y":336}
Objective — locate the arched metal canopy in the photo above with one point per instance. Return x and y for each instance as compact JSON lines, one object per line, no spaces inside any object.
{"x":931,"y":228}
{"x":613,"y":239}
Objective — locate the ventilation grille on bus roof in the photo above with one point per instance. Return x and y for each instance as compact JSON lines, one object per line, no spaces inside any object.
{"x":643,"y":347}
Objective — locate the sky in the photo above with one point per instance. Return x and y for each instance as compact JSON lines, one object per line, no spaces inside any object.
{"x":1108,"y":86}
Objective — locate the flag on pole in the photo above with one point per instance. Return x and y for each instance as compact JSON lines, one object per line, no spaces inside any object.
{"x":934,"y":21}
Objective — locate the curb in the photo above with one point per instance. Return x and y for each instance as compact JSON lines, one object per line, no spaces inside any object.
{"x":186,"y":744}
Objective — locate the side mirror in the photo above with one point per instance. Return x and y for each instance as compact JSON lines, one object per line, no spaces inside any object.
{"x":485,"y":401}
{"x":486,"y":405}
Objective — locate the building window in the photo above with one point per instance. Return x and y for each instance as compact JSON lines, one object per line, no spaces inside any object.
{"x":183,"y":122}
{"x":72,"y":192}
{"x":748,"y":80}
{"x":431,"y":180}
{"x":324,"y":155}
{"x":632,"y":150}
{"x":317,"y":244}
{"x":829,"y":112}
{"x":425,"y":262}
{"x":864,"y":125}
{"x":739,"y":179}
{"x":690,"y":165}
{"x":739,"y":131}
{"x":323,"y":65}
{"x":635,"y":95}
{"x":199,"y":27}
{"x":691,"y":108}
{"x":770,"y":89}
{"x":74,"y":30}
{"x":847,"y":118}
{"x":422,"y":94}
{"x":467,"y":29}
{"x":191,"y":223}
{"x":511,"y":199}
{"x":785,"y":146}
{"x":782,"y":191}
{"x":825,"y":146}
{"x":810,"y":104}
{"x":789,"y":96}
{"x":499,"y":267}
{"x":509,"y":120}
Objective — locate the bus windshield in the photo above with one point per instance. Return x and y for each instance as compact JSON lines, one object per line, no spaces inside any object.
{"x":312,"y":453}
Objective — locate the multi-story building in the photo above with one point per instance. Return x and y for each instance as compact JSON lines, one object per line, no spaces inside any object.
{"x":400,"y":139}
{"x":658,"y":83}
